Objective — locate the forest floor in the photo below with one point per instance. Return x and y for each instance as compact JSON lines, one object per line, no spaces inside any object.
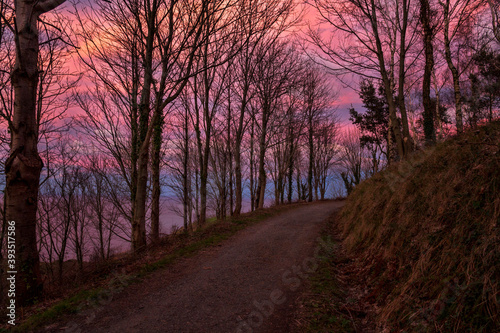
{"x":252,"y":282}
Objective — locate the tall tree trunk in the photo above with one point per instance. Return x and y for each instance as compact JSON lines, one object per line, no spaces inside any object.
{"x":223,"y":184}
{"x":201,"y":158}
{"x":207,"y":118}
{"x":197,"y":192}
{"x":24,"y":164}
{"x":299,"y":185}
{"x":155,"y":175}
{"x":390,"y":144}
{"x":229,"y":154}
{"x":139,"y":219}
{"x":429,"y":130}
{"x":311,"y":156}
{"x":237,"y":151}
{"x":100,"y":220}
{"x":387,"y":83}
{"x":231,"y":191}
{"x":203,"y":186}
{"x":290,"y":181}
{"x":437,"y":119}
{"x":134,"y":125}
{"x":291,"y":154}
{"x":238,"y":180}
{"x":290,"y":172}
{"x":139,"y":222}
{"x":282,"y":187}
{"x":204,"y":170}
{"x":276,"y":180}
{"x":185,"y":177}
{"x":261,"y":187}
{"x":394,"y":121}
{"x":402,"y":74}
{"x":252,"y":193}
{"x":454,"y":71}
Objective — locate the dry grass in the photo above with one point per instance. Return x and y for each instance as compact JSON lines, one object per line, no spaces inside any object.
{"x":427,"y":233}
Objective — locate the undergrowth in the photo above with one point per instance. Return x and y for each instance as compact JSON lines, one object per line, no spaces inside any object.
{"x":427,"y":234}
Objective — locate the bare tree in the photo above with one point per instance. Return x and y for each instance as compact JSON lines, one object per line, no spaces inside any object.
{"x":59,"y":201}
{"x":259,"y":20}
{"x":179,"y":160}
{"x":105,"y":216}
{"x":274,"y":74}
{"x":366,"y":44}
{"x":316,"y":98}
{"x":220,"y":44}
{"x":164,"y":38}
{"x":54,"y":80}
{"x":278,"y":148}
{"x":24,"y":164}
{"x":326,"y":149}
{"x":294,"y":132}
{"x":456,"y":15}
{"x":428,"y":28}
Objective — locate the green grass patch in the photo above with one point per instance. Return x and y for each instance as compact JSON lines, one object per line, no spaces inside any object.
{"x":323,"y":303}
{"x":66,"y":306}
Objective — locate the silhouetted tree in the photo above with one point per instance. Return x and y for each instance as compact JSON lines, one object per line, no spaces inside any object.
{"x":24,"y":164}
{"x":374,"y":122}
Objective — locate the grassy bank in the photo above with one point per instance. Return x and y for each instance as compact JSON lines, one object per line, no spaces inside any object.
{"x":427,"y":234}
{"x":418,"y":246}
{"x":116,"y":274}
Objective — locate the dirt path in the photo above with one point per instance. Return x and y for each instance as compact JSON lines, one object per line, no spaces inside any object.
{"x":247,"y":284}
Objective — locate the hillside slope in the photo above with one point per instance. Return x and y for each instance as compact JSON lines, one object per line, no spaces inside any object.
{"x":426,"y":233}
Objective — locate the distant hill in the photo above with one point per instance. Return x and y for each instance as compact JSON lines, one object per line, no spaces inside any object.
{"x":428,"y":234}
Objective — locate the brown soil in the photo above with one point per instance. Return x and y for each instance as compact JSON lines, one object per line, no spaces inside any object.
{"x":249,"y":283}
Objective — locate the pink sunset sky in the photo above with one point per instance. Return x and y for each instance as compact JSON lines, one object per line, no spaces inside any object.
{"x":346,"y":97}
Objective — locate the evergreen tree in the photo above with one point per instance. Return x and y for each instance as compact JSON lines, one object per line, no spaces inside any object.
{"x":374,"y":122}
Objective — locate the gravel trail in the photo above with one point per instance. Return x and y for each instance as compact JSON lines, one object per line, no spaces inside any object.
{"x":249,"y":283}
